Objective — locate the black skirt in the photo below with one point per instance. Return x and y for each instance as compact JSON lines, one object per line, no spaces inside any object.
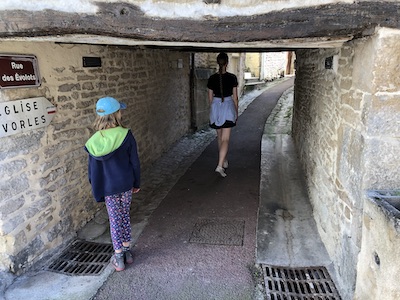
{"x":227,"y":124}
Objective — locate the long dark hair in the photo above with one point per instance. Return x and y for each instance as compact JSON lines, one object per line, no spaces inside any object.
{"x":222,"y":60}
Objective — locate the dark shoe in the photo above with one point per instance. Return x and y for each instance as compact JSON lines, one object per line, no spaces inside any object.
{"x":128,"y":257}
{"x":117,"y":261}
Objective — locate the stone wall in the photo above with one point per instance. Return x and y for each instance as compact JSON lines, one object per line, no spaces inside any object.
{"x":253,"y":64}
{"x":206,"y":60}
{"x":268,"y":65}
{"x":274,"y":65}
{"x":346,"y":116}
{"x":45,"y":196}
{"x":317,"y":122}
{"x":381,"y":114}
{"x":378,"y":272}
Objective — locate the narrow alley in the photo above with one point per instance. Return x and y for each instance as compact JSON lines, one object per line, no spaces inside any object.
{"x":200,"y":242}
{"x":167,"y":264}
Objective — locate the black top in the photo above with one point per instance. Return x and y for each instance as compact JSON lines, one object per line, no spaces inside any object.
{"x":229,"y":81}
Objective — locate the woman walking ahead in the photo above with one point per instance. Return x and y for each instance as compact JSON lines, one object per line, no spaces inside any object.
{"x":114,"y":173}
{"x":223,"y":98}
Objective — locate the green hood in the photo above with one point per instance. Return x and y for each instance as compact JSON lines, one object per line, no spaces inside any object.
{"x":106,"y":141}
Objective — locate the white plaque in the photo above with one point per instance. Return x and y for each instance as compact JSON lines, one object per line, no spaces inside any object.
{"x":26,"y":114}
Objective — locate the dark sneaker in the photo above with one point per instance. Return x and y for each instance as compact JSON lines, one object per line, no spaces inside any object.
{"x":117,"y":260}
{"x":128,"y":257}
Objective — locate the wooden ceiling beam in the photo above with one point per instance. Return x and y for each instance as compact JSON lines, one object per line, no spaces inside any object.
{"x":126,"y":21}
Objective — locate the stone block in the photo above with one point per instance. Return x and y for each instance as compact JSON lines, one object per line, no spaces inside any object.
{"x":59,"y":229}
{"x":68,"y":87}
{"x":20,"y":144}
{"x":20,"y":240}
{"x":349,"y":160}
{"x":25,"y":257}
{"x":13,"y":186}
{"x":353,"y":99}
{"x":85,"y":104}
{"x":86,"y":77}
{"x":8,"y":206}
{"x":362,"y":60}
{"x":56,"y":185}
{"x":52,"y":176}
{"x":61,"y":125}
{"x":381,"y":163}
{"x":12,"y":167}
{"x":346,"y":84}
{"x":383,"y":116}
{"x":43,"y":222}
{"x":37,"y":206}
{"x":348,"y":273}
{"x":387,"y":66}
{"x":10,"y":224}
{"x":55,"y":149}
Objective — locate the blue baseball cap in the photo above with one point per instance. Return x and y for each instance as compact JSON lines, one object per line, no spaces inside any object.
{"x":108,"y":105}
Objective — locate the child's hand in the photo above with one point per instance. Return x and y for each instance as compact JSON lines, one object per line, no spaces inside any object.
{"x":135,"y":190}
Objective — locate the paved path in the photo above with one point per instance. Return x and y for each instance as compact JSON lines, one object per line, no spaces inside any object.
{"x":180,"y":190}
{"x":169,"y":266}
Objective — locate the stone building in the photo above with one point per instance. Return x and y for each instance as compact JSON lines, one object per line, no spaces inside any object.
{"x":346,"y":118}
{"x":268,"y":66}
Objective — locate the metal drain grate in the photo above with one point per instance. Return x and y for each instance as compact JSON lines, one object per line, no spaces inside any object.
{"x":83,"y":258}
{"x":218,"y":232}
{"x":311,"y":283}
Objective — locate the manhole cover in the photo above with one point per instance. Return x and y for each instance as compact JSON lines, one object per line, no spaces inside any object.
{"x":218,"y":232}
{"x":83,"y":258}
{"x":311,"y":283}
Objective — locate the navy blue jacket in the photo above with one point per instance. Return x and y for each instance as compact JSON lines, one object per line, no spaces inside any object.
{"x":114,"y":165}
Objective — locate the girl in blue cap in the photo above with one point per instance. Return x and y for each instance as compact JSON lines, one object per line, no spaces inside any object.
{"x":114,"y":174}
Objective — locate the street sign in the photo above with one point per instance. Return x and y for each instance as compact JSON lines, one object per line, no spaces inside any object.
{"x":25,"y":114}
{"x":18,"y":71}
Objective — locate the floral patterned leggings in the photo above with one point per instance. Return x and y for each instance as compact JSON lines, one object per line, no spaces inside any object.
{"x":118,"y":207}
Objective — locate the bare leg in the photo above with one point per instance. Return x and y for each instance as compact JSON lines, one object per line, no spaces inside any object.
{"x":223,"y":144}
{"x":219,"y":135}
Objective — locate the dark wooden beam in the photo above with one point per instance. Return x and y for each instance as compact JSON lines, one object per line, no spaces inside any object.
{"x":127,"y":21}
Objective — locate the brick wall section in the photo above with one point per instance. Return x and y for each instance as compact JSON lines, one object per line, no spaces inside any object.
{"x":45,"y":196}
{"x":345,"y":127}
